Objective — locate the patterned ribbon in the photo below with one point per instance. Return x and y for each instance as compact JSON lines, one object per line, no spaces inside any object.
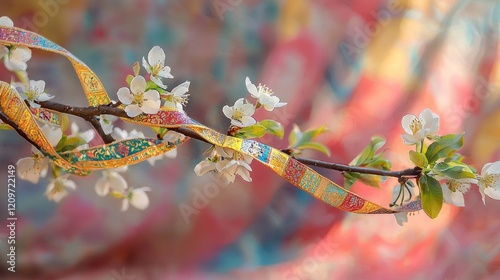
{"x":126,"y":152}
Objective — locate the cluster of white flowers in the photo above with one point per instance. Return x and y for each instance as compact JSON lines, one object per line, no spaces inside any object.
{"x":14,"y":57}
{"x":241,"y":112}
{"x":113,"y":182}
{"x":36,"y":166}
{"x":426,"y":125}
{"x":226,"y":164}
{"x":142,"y":98}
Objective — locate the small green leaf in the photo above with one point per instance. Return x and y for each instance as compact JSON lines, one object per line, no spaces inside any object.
{"x":418,"y":159}
{"x":431,"y":195}
{"x":5,"y":126}
{"x":350,"y":179}
{"x":315,"y":146}
{"x":159,"y":130}
{"x":129,"y":79}
{"x":380,"y":162}
{"x":369,"y":151}
{"x":273,"y":127}
{"x":253,"y":131}
{"x":307,"y":136}
{"x":69,"y":143}
{"x":454,"y":170}
{"x":136,"y":68}
{"x":294,"y":136}
{"x":371,"y":180}
{"x":151,"y":85}
{"x":444,"y":147}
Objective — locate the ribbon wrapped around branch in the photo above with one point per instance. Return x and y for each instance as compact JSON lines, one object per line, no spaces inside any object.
{"x":127,"y":152}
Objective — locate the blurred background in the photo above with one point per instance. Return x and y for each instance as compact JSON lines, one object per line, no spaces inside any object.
{"x":355,"y":66}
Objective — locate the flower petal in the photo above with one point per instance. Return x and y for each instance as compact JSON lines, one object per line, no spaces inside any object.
{"x":152,"y":95}
{"x":252,"y":89}
{"x":156,"y":56}
{"x":139,"y":199}
{"x":165,"y":72}
{"x":204,"y":167}
{"x":247,"y":121}
{"x":6,"y":21}
{"x":228,"y":111}
{"x":401,"y":218}
{"x":102,"y":186}
{"x":493,"y":193}
{"x":133,"y":110}
{"x":457,"y":198}
{"x":124,"y":96}
{"x":146,"y":65}
{"x":53,"y":134}
{"x":406,"y":121}
{"x":151,"y":106}
{"x":494,"y":168}
{"x":27,"y":169}
{"x":138,"y":84}
{"x":181,"y":89}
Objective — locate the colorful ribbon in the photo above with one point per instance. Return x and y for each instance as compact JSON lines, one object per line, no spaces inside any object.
{"x":133,"y":151}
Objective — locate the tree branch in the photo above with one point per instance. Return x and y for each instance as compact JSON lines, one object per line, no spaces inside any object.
{"x":90,"y":114}
{"x":8,"y":121}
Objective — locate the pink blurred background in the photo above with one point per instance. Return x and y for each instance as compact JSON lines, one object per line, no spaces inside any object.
{"x":355,"y":66}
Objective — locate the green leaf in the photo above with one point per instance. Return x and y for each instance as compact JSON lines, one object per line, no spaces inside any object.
{"x":350,"y":179}
{"x":151,"y":85}
{"x":371,"y":180}
{"x":136,"y":68}
{"x":368,"y":153}
{"x":431,"y":195}
{"x":418,"y":159}
{"x":129,"y":79}
{"x":298,"y":137}
{"x":315,"y":146}
{"x":454,"y":170}
{"x":380,"y":162}
{"x":5,"y":126}
{"x":273,"y":127}
{"x":69,"y":143}
{"x":159,"y":130}
{"x":294,"y":136}
{"x":444,"y":147}
{"x":253,"y":131}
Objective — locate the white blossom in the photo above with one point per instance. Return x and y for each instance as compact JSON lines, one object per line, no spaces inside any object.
{"x":14,"y":57}
{"x":33,"y":91}
{"x":178,"y":96}
{"x":137,"y":99}
{"x":106,"y":122}
{"x":418,"y":128}
{"x":264,"y":95}
{"x":454,"y":189}
{"x":226,"y":164}
{"x":489,"y":181}
{"x":240,"y":114}
{"x":110,"y":180}
{"x":58,"y":188}
{"x":137,"y":198}
{"x":34,"y":167}
{"x":155,"y":66}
